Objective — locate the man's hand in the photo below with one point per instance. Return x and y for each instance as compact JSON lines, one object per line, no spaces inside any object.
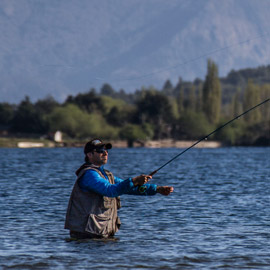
{"x":141,"y":179}
{"x":164,"y":190}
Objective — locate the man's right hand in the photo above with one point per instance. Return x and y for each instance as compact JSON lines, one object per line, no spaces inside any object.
{"x":141,"y":179}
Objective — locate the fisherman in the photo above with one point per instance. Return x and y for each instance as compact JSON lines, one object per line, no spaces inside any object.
{"x":93,"y":204}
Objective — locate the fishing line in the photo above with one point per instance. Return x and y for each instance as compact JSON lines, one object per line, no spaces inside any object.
{"x":186,"y":62}
{"x":204,"y":138}
{"x":139,"y":77}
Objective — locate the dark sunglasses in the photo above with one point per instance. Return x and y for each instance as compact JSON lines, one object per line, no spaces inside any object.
{"x":101,"y":151}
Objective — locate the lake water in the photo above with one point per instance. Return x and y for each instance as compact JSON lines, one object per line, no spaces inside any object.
{"x":217,"y":218}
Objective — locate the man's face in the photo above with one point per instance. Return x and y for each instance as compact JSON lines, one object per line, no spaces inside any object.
{"x":98,"y":157}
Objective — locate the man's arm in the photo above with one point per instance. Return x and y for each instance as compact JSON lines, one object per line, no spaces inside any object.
{"x":147,"y":189}
{"x":92,"y":181}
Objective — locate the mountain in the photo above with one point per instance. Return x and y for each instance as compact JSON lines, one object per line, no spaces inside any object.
{"x":64,"y":47}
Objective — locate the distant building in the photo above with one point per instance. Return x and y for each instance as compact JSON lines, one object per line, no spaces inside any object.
{"x":58,"y":136}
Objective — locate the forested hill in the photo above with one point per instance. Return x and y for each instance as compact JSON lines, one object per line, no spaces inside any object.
{"x":185,"y":111}
{"x":259,"y":75}
{"x":235,"y":81}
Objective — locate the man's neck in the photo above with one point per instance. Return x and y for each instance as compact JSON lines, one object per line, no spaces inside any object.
{"x":96,"y":165}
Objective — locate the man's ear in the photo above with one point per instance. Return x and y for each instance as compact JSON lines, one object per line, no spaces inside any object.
{"x":89,"y":154}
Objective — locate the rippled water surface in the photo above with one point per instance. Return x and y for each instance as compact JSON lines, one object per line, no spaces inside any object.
{"x":217,"y":218}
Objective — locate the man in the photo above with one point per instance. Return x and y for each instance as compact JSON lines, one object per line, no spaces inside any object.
{"x":93,"y":204}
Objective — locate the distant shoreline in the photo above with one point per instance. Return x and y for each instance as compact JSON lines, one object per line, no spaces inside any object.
{"x":40,"y":143}
{"x":166,"y":143}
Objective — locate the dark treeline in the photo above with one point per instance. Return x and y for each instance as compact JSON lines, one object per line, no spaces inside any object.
{"x":185,"y":111}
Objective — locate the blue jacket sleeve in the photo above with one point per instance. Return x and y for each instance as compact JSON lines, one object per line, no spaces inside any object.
{"x":147,"y":189}
{"x":92,"y":181}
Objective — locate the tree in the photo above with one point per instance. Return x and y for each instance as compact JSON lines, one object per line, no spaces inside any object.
{"x":154,"y":108}
{"x":232,"y":134}
{"x":132,"y":133}
{"x":174,"y":107}
{"x":191,"y":125}
{"x":76,"y":123}
{"x":107,"y":90}
{"x":46,"y":106}
{"x":265,"y":94}
{"x":120,"y":116}
{"x":108,"y":103}
{"x":191,"y":100}
{"x":179,"y":94}
{"x":212,"y":93}
{"x":89,"y":102}
{"x":251,"y":98}
{"x":27,"y":119}
{"x":167,"y":88}
{"x":6,"y":113}
{"x":199,"y":100}
{"x":236,"y":107}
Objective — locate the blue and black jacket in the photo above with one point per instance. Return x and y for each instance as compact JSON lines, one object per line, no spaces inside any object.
{"x":92,"y":181}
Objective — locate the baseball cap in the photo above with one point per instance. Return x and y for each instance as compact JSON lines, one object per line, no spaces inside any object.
{"x":96,"y":144}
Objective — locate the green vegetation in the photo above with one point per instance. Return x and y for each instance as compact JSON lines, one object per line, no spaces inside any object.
{"x":188,"y":110}
{"x":212,"y":94}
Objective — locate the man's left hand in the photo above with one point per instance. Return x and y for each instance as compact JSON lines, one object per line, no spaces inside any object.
{"x":164,"y":190}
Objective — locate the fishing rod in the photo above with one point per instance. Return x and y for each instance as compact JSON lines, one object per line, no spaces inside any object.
{"x":204,"y":138}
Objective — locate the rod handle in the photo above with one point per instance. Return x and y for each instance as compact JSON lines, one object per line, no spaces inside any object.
{"x":152,"y":173}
